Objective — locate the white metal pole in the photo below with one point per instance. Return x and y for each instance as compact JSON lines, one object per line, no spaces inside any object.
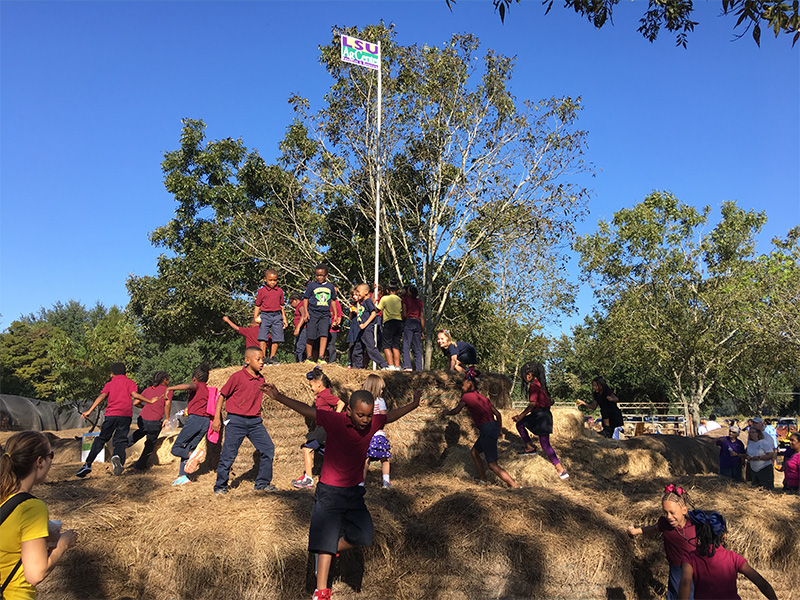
{"x":378,"y":177}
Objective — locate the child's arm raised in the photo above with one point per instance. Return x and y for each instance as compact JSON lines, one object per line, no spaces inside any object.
{"x":94,"y":405}
{"x":297,"y":406}
{"x":401,"y":411}
{"x":633,"y":531}
{"x":233,"y":325}
{"x":760,"y":582}
{"x":455,"y":410}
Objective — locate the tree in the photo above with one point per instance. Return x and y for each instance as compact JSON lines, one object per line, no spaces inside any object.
{"x":25,"y":367}
{"x":673,"y":295}
{"x":676,"y":16}
{"x":465,"y":165}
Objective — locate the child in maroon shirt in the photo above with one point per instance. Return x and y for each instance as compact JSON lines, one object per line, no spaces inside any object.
{"x":269,"y":312}
{"x":250,"y":333}
{"x":315,"y":439}
{"x":489,"y":423}
{"x":186,"y":444}
{"x":242,"y":396}
{"x":120,"y":392}
{"x":299,"y":332}
{"x":339,"y":499}
{"x":152,"y":418}
{"x":712,"y":568}
{"x":678,"y":532}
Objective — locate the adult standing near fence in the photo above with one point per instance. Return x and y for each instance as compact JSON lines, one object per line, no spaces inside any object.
{"x":604,"y":397}
{"x":24,"y":537}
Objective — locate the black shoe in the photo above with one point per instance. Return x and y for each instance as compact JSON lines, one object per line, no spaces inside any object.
{"x":116,"y":461}
{"x":84,"y":471}
{"x":221,"y":491}
{"x":267,"y":488}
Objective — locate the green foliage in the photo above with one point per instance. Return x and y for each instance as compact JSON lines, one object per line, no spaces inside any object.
{"x":676,"y":16}
{"x":25,"y":367}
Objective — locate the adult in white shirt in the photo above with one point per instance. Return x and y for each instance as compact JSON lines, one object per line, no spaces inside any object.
{"x":712,"y":424}
{"x":760,"y":454}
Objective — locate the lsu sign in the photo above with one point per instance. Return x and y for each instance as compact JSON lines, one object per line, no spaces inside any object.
{"x":359,"y":52}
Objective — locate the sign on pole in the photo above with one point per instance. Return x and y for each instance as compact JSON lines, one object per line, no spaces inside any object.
{"x":359,"y":52}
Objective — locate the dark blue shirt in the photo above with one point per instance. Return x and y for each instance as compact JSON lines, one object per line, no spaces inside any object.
{"x":320,"y":296}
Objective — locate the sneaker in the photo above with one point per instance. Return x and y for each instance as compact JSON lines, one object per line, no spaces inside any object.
{"x":182,"y":480}
{"x":84,"y":471}
{"x":564,"y":475}
{"x":322,"y":594}
{"x":303,"y":482}
{"x":349,"y":366}
{"x":267,"y":488}
{"x":195,"y":458}
{"x":273,"y":361}
{"x":407,"y":370}
{"x":527,"y":452}
{"x":116,"y":461}
{"x":387,"y":485}
{"x":322,"y":362}
{"x":221,"y":491}
{"x":308,"y":361}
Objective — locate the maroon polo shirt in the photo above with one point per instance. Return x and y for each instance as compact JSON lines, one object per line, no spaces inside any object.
{"x":154,"y":411}
{"x":325,"y":400}
{"x":270,"y":299}
{"x":479,"y":407}
{"x":298,"y":316}
{"x":250,"y":335}
{"x":345,"y":448}
{"x":119,"y":390}
{"x":413,"y":307}
{"x":243,"y":393}
{"x":677,"y":542}
{"x":198,"y":403}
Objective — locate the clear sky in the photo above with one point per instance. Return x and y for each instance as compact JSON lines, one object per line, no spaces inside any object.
{"x":92,"y":95}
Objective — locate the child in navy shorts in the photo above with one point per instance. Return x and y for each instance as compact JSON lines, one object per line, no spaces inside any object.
{"x":317,"y":301}
{"x":340,"y":519}
{"x":488,"y":421}
{"x":269,"y":312}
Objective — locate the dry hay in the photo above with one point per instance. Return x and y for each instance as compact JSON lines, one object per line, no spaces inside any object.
{"x":439,"y":534}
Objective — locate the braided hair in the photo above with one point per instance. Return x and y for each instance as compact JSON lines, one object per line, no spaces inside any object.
{"x":317,"y":374}
{"x":710,"y":529}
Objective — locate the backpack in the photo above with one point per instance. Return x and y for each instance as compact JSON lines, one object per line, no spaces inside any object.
{"x":5,"y":512}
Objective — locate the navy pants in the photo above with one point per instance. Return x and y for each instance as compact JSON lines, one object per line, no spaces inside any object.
{"x":412,"y":340}
{"x":366,"y":342}
{"x":151,"y":429}
{"x":300,"y":345}
{"x":189,"y":438}
{"x":116,"y":427}
{"x":252,"y":428}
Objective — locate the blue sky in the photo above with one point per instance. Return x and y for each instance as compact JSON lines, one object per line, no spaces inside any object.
{"x":92,"y":95}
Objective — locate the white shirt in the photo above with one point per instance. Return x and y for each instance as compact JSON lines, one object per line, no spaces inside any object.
{"x":759,"y":448}
{"x":712,"y":425}
{"x":380,"y":408}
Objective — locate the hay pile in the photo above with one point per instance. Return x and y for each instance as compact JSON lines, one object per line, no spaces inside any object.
{"x":439,"y":534}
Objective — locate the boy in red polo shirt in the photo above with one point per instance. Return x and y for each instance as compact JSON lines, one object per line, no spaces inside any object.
{"x":242,"y":395}
{"x":339,"y":499}
{"x":120,"y":392}
{"x":250,"y":333}
{"x":269,"y":312}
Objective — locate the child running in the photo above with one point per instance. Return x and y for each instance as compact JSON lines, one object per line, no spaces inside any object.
{"x":315,"y":439}
{"x":488,"y":421}
{"x":677,"y":530}
{"x":186,"y":444}
{"x":379,"y":447}
{"x":340,"y":519}
{"x":537,"y":416}
{"x":712,"y":568}
{"x":242,"y":396}
{"x":152,"y":418}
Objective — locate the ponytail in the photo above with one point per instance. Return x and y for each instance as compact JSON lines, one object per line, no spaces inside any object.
{"x":19,"y":458}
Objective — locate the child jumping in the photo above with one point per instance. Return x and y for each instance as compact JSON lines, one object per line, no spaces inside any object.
{"x":488,"y":421}
{"x":537,"y":416}
{"x":242,"y":396}
{"x":152,"y":418}
{"x":677,"y":530}
{"x":186,"y":444}
{"x":269,"y":312}
{"x":379,"y":447}
{"x":340,"y":519}
{"x":120,"y":392}
{"x":712,"y":568}
{"x":315,"y":439}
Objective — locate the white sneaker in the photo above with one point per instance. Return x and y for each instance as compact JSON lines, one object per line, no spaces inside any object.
{"x":116,"y":461}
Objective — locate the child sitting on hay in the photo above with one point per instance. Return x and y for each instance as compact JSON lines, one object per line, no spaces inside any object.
{"x":488,"y":421}
{"x":340,"y":519}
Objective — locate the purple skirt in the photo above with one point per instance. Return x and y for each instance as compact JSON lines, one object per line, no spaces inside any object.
{"x":379,"y":448}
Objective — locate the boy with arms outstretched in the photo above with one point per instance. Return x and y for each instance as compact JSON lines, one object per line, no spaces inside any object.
{"x":269,"y":312}
{"x":120,"y":392}
{"x":339,"y":499}
{"x":242,"y":394}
